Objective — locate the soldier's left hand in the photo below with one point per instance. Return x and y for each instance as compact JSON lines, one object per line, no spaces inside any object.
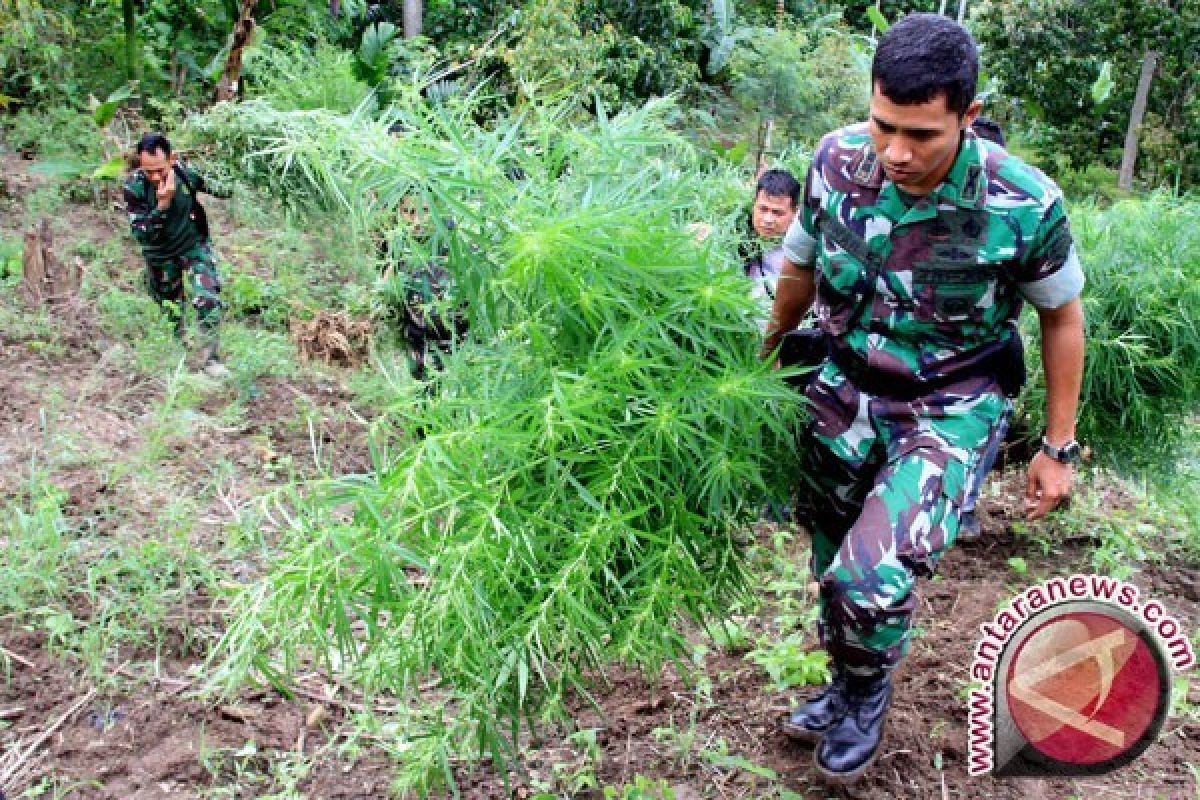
{"x":1048,"y":484}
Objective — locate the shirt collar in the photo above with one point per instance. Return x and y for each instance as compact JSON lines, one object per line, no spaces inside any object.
{"x":965,"y":185}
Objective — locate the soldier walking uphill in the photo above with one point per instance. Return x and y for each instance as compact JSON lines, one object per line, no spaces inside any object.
{"x":169,"y":224}
{"x":917,"y":243}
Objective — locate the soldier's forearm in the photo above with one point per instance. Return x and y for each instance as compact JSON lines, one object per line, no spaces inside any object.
{"x":794,"y":296}
{"x":1062,"y":358}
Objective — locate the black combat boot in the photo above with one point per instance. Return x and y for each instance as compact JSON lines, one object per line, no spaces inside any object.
{"x":851,"y":744}
{"x":809,"y":722}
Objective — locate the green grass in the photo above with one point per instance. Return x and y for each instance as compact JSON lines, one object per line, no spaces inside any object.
{"x":93,"y":596}
{"x":134,"y":319}
{"x":252,"y":354}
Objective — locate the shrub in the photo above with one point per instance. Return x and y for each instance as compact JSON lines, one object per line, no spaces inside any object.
{"x":10,"y":260}
{"x":251,"y":354}
{"x":1142,"y":304}
{"x":574,"y":473}
{"x":137,"y":319}
{"x":297,"y":78}
{"x":811,"y":80}
{"x":57,"y":132}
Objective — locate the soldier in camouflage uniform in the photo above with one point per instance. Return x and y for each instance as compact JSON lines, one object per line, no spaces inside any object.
{"x":165,"y":217}
{"x":918,"y":242}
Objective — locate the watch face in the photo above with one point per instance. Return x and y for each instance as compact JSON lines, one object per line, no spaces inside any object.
{"x":1069,"y":453}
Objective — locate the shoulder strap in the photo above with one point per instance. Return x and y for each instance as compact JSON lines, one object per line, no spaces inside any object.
{"x":837,"y":232}
{"x":182,"y":173}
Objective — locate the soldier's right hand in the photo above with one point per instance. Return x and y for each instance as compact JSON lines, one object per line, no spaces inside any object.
{"x":166,"y":191}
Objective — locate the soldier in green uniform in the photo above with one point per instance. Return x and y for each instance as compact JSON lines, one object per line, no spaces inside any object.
{"x":916,"y":245}
{"x":168,"y":222}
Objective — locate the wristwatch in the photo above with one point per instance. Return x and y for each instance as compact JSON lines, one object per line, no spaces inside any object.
{"x":1069,"y":453}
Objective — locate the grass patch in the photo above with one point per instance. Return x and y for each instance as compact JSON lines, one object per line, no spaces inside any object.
{"x":92,"y":596}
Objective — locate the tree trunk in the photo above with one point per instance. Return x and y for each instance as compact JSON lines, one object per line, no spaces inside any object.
{"x":765,"y":134}
{"x":962,"y":11}
{"x":414,"y":12}
{"x":227,"y":86}
{"x":44,"y":280}
{"x":780,"y":12}
{"x":1129,"y":156}
{"x":133,"y":65}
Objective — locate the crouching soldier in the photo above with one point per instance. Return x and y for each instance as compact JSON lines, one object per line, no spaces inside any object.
{"x":172,"y":229}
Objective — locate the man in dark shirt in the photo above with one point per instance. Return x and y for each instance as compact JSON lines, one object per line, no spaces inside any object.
{"x":168,"y":223}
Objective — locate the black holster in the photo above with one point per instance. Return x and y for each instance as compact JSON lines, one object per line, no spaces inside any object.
{"x":803,"y":347}
{"x":1005,"y":365}
{"x":1008,"y":365}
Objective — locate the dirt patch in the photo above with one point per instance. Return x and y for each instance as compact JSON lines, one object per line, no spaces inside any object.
{"x":668,"y":730}
{"x":644,"y":728}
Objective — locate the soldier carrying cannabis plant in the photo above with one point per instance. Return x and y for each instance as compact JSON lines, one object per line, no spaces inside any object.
{"x":170,"y":225}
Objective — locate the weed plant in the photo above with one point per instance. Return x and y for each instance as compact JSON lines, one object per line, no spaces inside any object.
{"x":1142,"y":304}
{"x":303,"y":78}
{"x":573,"y":475}
{"x":93,"y":595}
{"x":252,"y":354}
{"x":58,"y":132}
{"x":10,"y":262}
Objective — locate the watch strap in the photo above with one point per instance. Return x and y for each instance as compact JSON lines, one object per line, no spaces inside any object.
{"x":1069,"y":453}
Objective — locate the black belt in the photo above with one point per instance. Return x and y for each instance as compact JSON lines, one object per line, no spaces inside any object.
{"x":1005,"y":365}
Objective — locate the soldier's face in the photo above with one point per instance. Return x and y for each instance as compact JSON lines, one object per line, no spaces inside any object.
{"x":917,"y":144}
{"x":772,"y":214}
{"x":156,"y":165}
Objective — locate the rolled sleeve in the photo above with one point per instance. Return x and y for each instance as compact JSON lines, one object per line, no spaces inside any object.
{"x":1058,"y":288}
{"x":799,"y":247}
{"x":1051,"y":275}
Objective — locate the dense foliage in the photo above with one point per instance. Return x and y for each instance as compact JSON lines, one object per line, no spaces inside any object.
{"x":576,"y":472}
{"x":1141,"y":383}
{"x":1049,"y":55}
{"x":809,"y":80}
{"x":727,"y":57}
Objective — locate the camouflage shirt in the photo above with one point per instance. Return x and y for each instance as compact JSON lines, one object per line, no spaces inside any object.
{"x":163,"y":235}
{"x":925,"y":288}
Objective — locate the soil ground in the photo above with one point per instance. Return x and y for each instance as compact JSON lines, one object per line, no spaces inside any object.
{"x":132,"y":723}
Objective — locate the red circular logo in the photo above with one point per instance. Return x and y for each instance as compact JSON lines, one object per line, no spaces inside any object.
{"x":1085,"y":689}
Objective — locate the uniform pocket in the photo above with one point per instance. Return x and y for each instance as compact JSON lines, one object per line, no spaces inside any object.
{"x":951,"y":291}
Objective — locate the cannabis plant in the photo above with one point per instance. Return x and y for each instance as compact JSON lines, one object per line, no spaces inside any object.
{"x":1142,"y":305}
{"x":567,"y":490}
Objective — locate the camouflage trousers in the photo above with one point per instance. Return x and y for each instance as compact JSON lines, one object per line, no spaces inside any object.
{"x":883,"y":488}
{"x":165,"y":283}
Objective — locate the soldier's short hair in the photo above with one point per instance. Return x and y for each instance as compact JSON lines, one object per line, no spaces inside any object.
{"x":779,"y":183}
{"x":152,"y":142}
{"x":924,"y":55}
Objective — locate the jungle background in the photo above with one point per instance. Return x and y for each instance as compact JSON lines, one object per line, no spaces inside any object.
{"x":541,"y":570}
